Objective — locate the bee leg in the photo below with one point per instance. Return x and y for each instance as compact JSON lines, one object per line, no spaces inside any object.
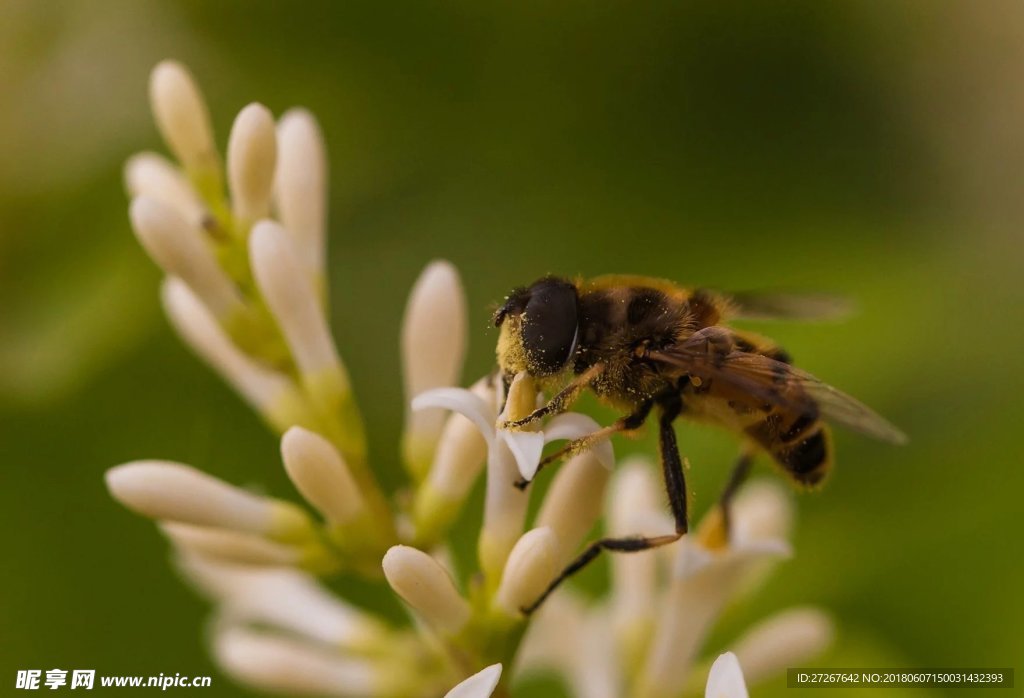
{"x":672,"y":467}
{"x":560,"y":402}
{"x":672,"y":464}
{"x":740,"y":471}
{"x":627,"y":423}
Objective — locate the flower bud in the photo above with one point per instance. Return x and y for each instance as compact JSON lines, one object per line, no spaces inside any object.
{"x":300,"y":186}
{"x":148,"y":174}
{"x":271,"y":394}
{"x":573,"y":503}
{"x":292,"y":300}
{"x":230,"y":546}
{"x":635,"y":508}
{"x":762,"y":510}
{"x":531,"y":567}
{"x":426,"y":587}
{"x":284,"y":665}
{"x":252,"y":157}
{"x":179,"y":249}
{"x":282,"y":598}
{"x":319,"y":473}
{"x":181,"y":116}
{"x":433,"y":349}
{"x":166,"y":490}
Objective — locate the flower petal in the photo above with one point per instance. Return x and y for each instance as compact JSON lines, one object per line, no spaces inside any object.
{"x":460,"y":400}
{"x":726,"y":679}
{"x":573,"y":425}
{"x":526,"y":447}
{"x":479,"y":685}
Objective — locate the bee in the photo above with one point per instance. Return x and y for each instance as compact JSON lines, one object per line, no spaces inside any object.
{"x":643,"y":344}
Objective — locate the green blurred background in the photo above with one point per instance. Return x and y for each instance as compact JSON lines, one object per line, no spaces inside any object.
{"x":874,"y":149}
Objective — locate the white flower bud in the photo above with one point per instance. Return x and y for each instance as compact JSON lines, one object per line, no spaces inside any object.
{"x":181,"y":116}
{"x":271,"y":394}
{"x":319,"y":472}
{"x":762,"y":510}
{"x":425,"y":585}
{"x":596,"y":672}
{"x":300,"y":186}
{"x":573,"y":503}
{"x":787,"y":639}
{"x":166,"y":490}
{"x":479,"y":685}
{"x":544,"y":647}
{"x":289,"y":294}
{"x":179,"y":249}
{"x":252,"y":158}
{"x":433,"y":349}
{"x":282,"y":598}
{"x":285,"y":665}
{"x":230,"y":546}
{"x":635,"y":507}
{"x":149,"y":174}
{"x":531,"y":567}
{"x":726,"y":679}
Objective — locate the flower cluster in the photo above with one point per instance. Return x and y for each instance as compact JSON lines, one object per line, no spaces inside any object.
{"x":242,"y":244}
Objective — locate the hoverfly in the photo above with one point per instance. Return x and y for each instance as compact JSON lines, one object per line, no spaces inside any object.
{"x":642,"y":344}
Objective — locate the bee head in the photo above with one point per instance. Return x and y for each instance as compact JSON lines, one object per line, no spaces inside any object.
{"x":539,"y":328}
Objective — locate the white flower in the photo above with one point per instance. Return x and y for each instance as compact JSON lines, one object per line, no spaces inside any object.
{"x":273,"y":662}
{"x":300,"y":187}
{"x":531,"y":566}
{"x":252,"y":158}
{"x":703,"y":581}
{"x":635,"y":507}
{"x":231,"y":546}
{"x":181,"y":116}
{"x":178,"y":247}
{"x":479,"y":685}
{"x":290,"y":295}
{"x":151,"y":175}
{"x":166,"y":490}
{"x":272,"y":394}
{"x":426,"y":586}
{"x":282,"y":598}
{"x":433,"y":348}
{"x":644,"y":640}
{"x":726,"y":678}
{"x":319,"y":472}
{"x":510,"y":455}
{"x":573,"y":502}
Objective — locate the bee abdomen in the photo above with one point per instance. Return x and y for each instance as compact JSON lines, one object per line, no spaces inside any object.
{"x":802,"y":446}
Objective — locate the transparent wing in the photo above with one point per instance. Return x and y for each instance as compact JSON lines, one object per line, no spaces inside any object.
{"x":708,"y":356}
{"x":783,"y":305}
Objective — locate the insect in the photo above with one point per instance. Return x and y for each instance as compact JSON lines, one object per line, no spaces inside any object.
{"x":644,"y":344}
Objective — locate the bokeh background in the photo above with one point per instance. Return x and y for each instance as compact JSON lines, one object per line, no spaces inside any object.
{"x":874,"y":149}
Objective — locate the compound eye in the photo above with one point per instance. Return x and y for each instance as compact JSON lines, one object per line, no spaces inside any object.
{"x":550,"y":326}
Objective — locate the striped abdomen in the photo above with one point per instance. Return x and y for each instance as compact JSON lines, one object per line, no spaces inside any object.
{"x":800,"y":443}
